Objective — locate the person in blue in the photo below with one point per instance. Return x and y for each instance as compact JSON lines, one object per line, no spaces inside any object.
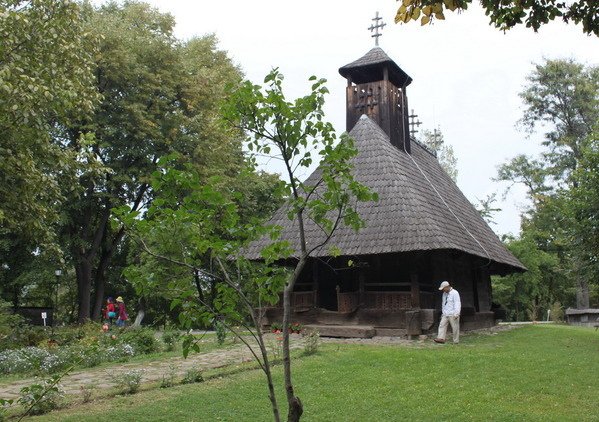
{"x":450,"y":313}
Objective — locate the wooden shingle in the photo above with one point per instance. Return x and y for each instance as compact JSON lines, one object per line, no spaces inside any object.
{"x":420,"y":208}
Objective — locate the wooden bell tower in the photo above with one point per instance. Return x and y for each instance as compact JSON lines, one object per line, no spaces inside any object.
{"x":376,"y":86}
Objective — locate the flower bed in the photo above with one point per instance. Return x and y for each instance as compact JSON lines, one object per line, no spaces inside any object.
{"x":47,"y":361}
{"x":84,"y":346}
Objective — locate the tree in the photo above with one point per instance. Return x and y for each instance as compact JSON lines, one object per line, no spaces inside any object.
{"x":528,"y":295}
{"x":208,"y":277}
{"x":46,"y":79}
{"x":485,"y":208}
{"x":562,"y":97}
{"x":527,"y":171}
{"x":189,"y":237}
{"x":159,"y":95}
{"x":435,"y":141}
{"x":174,"y":231}
{"x":584,"y":201}
{"x":579,"y":206}
{"x":293,"y":132}
{"x":507,"y":14}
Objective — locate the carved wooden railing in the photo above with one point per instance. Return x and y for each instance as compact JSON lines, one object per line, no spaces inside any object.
{"x":302,"y":299}
{"x":348,"y":301}
{"x":392,"y":301}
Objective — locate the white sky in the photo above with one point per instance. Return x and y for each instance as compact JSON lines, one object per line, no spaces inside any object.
{"x":467,"y":74}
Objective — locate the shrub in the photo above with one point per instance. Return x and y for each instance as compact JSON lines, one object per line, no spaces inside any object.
{"x":168,"y":379}
{"x":4,"y":405}
{"x":28,"y":335}
{"x":129,"y":381}
{"x":557,"y":312}
{"x":276,"y":348}
{"x":41,"y":398}
{"x":192,"y":375}
{"x":142,"y":340}
{"x":10,"y":325}
{"x":170,"y":338}
{"x":311,"y":342}
{"x":119,"y":352}
{"x":86,"y":392}
{"x":66,"y":335}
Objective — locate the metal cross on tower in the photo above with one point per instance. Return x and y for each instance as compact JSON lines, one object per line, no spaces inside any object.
{"x":376,"y":27}
{"x":414,"y":123}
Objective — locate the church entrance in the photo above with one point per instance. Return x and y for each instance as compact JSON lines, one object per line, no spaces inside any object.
{"x":327,"y":288}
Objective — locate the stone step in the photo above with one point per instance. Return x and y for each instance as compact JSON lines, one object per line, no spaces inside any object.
{"x":347,"y":331}
{"x":391,"y":332}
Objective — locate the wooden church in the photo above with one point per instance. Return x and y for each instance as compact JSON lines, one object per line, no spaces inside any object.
{"x":421,"y":231}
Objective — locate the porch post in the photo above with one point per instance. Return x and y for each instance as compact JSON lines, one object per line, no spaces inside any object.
{"x":315,"y":282}
{"x":415,"y":290}
{"x":362,"y":287}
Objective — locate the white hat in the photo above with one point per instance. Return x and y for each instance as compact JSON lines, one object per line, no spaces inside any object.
{"x":444,"y":285}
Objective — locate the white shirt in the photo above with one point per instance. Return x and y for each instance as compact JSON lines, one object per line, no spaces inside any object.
{"x":451,"y":304}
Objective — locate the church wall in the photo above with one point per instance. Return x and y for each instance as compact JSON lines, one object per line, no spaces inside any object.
{"x":397,"y":281}
{"x":381,"y":291}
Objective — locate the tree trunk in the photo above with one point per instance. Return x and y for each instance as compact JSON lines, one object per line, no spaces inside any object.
{"x":15,"y":296}
{"x":295,"y":405}
{"x":582,"y":294}
{"x":266,"y":364}
{"x":83,"y":271}
{"x":99,"y":286}
{"x":141,"y":312}
{"x":100,"y":279}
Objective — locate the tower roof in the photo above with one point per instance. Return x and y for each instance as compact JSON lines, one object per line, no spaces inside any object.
{"x":369,"y":68}
{"x":414,"y":212}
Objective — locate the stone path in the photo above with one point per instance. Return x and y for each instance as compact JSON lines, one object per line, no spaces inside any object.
{"x":105,"y":378}
{"x":155,"y":371}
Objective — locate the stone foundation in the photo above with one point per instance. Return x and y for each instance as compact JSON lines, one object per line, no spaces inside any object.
{"x":386,"y":322}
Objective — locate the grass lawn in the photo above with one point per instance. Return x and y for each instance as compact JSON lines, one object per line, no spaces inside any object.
{"x":544,"y":373}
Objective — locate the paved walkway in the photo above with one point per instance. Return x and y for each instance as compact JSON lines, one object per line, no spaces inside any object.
{"x":105,"y":378}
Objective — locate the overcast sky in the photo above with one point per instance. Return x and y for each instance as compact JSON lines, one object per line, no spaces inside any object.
{"x":467,"y":74}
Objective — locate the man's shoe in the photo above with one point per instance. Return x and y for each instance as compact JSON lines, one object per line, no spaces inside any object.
{"x":439,"y":340}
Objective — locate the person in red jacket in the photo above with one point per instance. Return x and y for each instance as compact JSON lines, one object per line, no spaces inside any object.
{"x":120,"y":322}
{"x":110,"y":311}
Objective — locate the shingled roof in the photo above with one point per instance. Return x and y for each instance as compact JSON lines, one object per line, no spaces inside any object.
{"x":368,"y":68}
{"x":409,"y":216}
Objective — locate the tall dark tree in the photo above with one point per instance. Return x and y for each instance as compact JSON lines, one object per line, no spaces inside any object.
{"x":159,"y":95}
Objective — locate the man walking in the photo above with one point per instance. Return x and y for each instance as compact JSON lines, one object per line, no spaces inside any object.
{"x":450,"y":313}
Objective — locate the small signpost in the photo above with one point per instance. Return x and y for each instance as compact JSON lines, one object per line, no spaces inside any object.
{"x":44,"y":316}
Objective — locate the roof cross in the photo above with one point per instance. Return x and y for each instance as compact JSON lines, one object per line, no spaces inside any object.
{"x":376,"y":27}
{"x":414,"y":123}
